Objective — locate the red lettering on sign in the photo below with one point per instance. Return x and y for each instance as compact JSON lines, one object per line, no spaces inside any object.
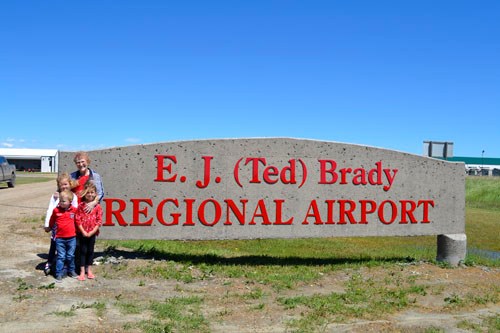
{"x":117,"y":213}
{"x":405,"y":211}
{"x":255,"y":168}
{"x":210,"y":212}
{"x":161,"y":167}
{"x":137,"y":210}
{"x":313,"y":211}
{"x":239,"y":214}
{"x":279,"y":213}
{"x":189,"y":211}
{"x":346,"y":211}
{"x":217,"y":212}
{"x":328,"y":175}
{"x":175,"y":216}
{"x":327,"y":167}
{"x":269,"y":173}
{"x":365,"y":211}
{"x":329,"y":214}
{"x":382,"y":211}
{"x":260,"y":211}
{"x":426,"y":204}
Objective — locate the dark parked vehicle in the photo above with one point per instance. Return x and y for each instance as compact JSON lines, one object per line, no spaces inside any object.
{"x":7,"y":172}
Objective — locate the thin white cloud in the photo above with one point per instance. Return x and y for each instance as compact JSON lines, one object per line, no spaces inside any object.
{"x":11,"y":142}
{"x":132,"y":140}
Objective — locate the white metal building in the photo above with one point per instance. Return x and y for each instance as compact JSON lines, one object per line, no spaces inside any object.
{"x":25,"y":159}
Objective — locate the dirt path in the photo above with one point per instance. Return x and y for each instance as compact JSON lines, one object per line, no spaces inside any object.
{"x":30,"y":301}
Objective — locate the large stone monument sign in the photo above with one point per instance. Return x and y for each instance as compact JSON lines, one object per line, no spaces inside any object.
{"x":277,"y":188}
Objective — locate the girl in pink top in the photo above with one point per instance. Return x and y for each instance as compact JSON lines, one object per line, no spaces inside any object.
{"x":88,"y":224}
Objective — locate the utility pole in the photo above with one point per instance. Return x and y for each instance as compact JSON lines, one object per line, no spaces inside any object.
{"x":482,"y":162}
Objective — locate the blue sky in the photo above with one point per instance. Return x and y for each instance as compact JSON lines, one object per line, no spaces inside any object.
{"x":391,"y":74}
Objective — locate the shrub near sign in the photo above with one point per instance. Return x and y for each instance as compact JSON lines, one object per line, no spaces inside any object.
{"x":274,"y":188}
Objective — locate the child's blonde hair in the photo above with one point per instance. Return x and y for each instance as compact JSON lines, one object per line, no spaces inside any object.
{"x":89,"y":185}
{"x":64,"y":176}
{"x":66,"y":194}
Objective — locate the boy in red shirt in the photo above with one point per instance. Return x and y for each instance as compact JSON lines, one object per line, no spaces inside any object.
{"x":63,"y":218}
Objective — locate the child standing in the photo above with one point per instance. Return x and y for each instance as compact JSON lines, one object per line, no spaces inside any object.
{"x":81,"y":176}
{"x":63,"y":218}
{"x":64,"y":183}
{"x":88,"y":224}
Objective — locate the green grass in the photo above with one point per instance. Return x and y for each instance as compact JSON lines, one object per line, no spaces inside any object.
{"x":31,"y":180}
{"x":99,"y":307}
{"x":278,"y":263}
{"x":24,"y":178}
{"x":176,"y":314}
{"x":482,"y":228}
{"x":482,"y":192}
{"x":488,"y":324}
{"x":482,"y":218}
{"x":364,"y":298}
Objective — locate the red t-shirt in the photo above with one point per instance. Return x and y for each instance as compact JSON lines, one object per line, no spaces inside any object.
{"x":64,"y":220}
{"x":81,"y":184}
{"x":90,"y":220}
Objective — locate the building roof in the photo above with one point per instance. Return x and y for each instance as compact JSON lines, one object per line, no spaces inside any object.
{"x":27,"y":153}
{"x":475,"y":160}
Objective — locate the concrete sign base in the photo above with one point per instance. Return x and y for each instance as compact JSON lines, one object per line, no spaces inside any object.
{"x":451,"y":249}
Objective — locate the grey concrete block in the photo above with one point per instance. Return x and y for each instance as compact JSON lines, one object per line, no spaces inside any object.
{"x":274,"y":188}
{"x":451,"y":249}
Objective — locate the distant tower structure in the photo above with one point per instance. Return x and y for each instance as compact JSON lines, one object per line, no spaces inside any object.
{"x":438,"y":149}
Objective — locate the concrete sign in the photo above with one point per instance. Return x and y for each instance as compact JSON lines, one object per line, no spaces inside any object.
{"x":274,"y":188}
